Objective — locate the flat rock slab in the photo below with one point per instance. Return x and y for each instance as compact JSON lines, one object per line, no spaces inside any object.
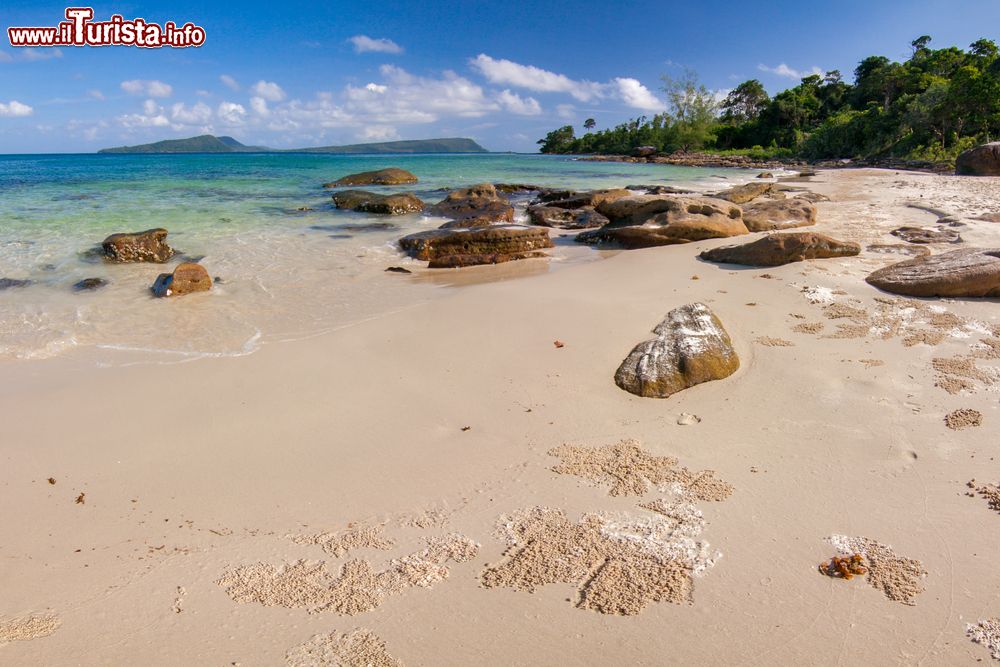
{"x":775,"y":214}
{"x":486,"y":242}
{"x":926,"y":235}
{"x":645,"y":221}
{"x":389,"y":176}
{"x":370,"y":202}
{"x":691,"y":347}
{"x":779,"y":249}
{"x":972,"y":272}
{"x":741,"y":194}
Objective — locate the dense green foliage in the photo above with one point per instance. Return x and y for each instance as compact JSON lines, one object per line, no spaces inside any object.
{"x":931,"y":107}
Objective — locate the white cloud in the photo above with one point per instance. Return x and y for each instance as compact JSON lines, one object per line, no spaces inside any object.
{"x":533,"y":78}
{"x":199,"y":114}
{"x":148,"y":88}
{"x":379,"y":133}
{"x":259,"y":106}
{"x":365,"y":44}
{"x":15,"y":108}
{"x":522,"y":106}
{"x":229,"y":82}
{"x":405,"y":98}
{"x":786,"y":71}
{"x":36,"y":54}
{"x":567,"y":111}
{"x":96,"y":94}
{"x":152,"y":116}
{"x":638,"y":96}
{"x":269,"y":90}
{"x":231,"y":113}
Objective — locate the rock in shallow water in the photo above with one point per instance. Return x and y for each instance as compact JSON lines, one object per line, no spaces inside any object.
{"x":973,"y":272}
{"x":389,"y":176}
{"x":89,"y":284}
{"x":779,"y":249}
{"x":369,"y":202}
{"x":148,"y":246}
{"x":185,"y":279}
{"x":8,"y":283}
{"x":691,"y":347}
{"x":478,"y":206}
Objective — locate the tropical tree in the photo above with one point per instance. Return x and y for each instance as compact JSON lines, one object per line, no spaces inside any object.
{"x":589,"y":124}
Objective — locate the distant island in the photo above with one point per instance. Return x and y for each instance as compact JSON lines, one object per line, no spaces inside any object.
{"x":208,"y":143}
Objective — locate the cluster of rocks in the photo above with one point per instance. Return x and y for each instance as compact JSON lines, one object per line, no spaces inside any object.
{"x":151,"y":246}
{"x":648,"y":154}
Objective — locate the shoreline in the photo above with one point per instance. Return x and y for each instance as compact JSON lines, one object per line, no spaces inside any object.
{"x":440,"y":419}
{"x":745,"y":162}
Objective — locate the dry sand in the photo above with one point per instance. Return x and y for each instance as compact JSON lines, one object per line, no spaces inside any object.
{"x":356,"y":442}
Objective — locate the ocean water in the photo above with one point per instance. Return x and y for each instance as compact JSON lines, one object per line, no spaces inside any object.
{"x":285,"y":273}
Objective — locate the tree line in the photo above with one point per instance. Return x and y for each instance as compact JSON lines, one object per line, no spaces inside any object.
{"x":930,"y":107}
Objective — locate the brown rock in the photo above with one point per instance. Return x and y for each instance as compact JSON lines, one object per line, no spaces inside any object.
{"x":973,"y":272}
{"x":148,"y":246}
{"x":979,"y":161}
{"x":778,"y":249}
{"x":486,"y":242}
{"x":691,"y":347}
{"x":765,"y":174}
{"x":645,"y":221}
{"x":775,"y":214}
{"x":186,"y":278}
{"x":477,"y":206}
{"x":473,"y":259}
{"x":741,"y":194}
{"x":592,"y":198}
{"x":926,"y":235}
{"x":561,"y":218}
{"x":369,"y":202}
{"x":390,"y":176}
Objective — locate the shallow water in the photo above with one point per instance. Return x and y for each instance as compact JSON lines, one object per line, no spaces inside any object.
{"x":285,"y":273}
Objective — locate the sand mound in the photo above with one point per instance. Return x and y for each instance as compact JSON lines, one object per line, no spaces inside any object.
{"x":359,"y":648}
{"x":620,"y":564}
{"x":897,"y":577}
{"x":959,"y":373}
{"x":355,"y":537}
{"x":987,"y":633}
{"x":991,"y":492}
{"x":26,"y":628}
{"x":963,"y":418}
{"x":631,"y":471}
{"x":355,"y":589}
{"x":767,"y":341}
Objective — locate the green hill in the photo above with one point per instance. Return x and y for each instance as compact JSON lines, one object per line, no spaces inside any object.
{"x":208,"y":143}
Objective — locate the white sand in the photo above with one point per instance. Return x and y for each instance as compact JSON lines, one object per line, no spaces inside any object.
{"x":191,"y":470}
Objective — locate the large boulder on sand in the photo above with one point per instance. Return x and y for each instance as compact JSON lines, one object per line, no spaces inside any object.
{"x":390,"y":176}
{"x":148,"y":246}
{"x":369,"y":202}
{"x":741,"y":194}
{"x":979,"y":161}
{"x":691,"y":347}
{"x":186,"y":278}
{"x":774,"y":214}
{"x":644,"y":221}
{"x":973,"y":272}
{"x":485,"y":245}
{"x":564,"y":218}
{"x":477,"y":206}
{"x":778,"y":249}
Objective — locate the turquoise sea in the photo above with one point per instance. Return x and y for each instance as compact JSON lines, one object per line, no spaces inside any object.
{"x":285,"y":273}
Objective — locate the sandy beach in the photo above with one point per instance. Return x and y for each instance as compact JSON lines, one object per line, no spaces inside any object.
{"x":413,"y":487}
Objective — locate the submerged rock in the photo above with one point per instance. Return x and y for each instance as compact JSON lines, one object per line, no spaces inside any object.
{"x":979,"y":161}
{"x":8,"y":283}
{"x":390,"y":176}
{"x":148,"y":246}
{"x":691,"y":347}
{"x":370,"y":202}
{"x":926,"y":235}
{"x":185,"y":279}
{"x":89,"y":284}
{"x":563,"y":218}
{"x":973,"y":272}
{"x":775,"y":214}
{"x":486,"y":245}
{"x":778,"y":249}
{"x":741,"y":194}
{"x":644,"y":221}
{"x":477,"y":206}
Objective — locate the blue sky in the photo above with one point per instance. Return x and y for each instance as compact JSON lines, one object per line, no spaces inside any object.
{"x":288,"y":74}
